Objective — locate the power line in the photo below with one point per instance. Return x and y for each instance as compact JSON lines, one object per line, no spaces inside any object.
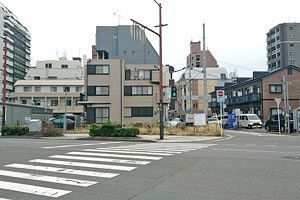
{"x":236,"y":65}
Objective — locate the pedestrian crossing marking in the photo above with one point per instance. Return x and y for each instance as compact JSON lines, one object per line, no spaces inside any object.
{"x":105,"y":150}
{"x":32,"y":189}
{"x":134,"y":162}
{"x":81,"y":164}
{"x":78,"y":145}
{"x":51,"y":179}
{"x":63,"y":170}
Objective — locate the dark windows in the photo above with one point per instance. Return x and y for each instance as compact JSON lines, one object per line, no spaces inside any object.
{"x":53,"y":89}
{"x":64,"y":66}
{"x":78,"y":89}
{"x":48,"y":65}
{"x":37,"y":78}
{"x":291,"y":44}
{"x":37,"y":89}
{"x":27,"y":89}
{"x":66,"y":89}
{"x":290,"y":71}
{"x":54,"y":102}
{"x":275,"y":88}
{"x":127,"y":74}
{"x":142,"y":112}
{"x":138,"y":91}
{"x":102,"y":115}
{"x":145,"y":74}
{"x":98,"y":70}
{"x":102,"y":90}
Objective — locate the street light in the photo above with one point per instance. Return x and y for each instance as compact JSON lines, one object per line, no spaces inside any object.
{"x":4,"y":81}
{"x":161,"y":106}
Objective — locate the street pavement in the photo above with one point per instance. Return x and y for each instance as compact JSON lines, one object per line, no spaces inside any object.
{"x":243,"y":165}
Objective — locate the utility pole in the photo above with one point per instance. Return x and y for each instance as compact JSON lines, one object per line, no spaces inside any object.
{"x":4,"y":83}
{"x":286,"y":103}
{"x":161,"y":105}
{"x":190,"y":89}
{"x":65,"y":115}
{"x":204,"y":75}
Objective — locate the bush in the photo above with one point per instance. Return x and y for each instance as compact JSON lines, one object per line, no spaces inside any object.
{"x":14,"y":130}
{"x":109,"y":129}
{"x":50,"y":131}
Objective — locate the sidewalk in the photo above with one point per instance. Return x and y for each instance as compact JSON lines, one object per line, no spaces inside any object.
{"x":140,"y":138}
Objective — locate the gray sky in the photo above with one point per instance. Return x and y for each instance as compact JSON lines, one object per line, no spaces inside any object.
{"x":235,"y":29}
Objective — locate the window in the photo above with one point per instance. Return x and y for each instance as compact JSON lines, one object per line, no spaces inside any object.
{"x":78,"y":89}
{"x":102,"y":115}
{"x":48,"y":65}
{"x":127,"y":74}
{"x":145,"y":74}
{"x":292,"y":61}
{"x":69,"y":101}
{"x":37,"y":102}
{"x":273,"y":111}
{"x":133,"y":52}
{"x":126,"y":53}
{"x":291,"y":36}
{"x":291,"y":44}
{"x":54,"y":102}
{"x":52,"y":77}
{"x":290,"y":28}
{"x":53,"y":89}
{"x":64,"y":66}
{"x":37,"y":89}
{"x":142,"y":90}
{"x":37,"y":78}
{"x":290,"y":71}
{"x":24,"y":101}
{"x":66,"y":89}
{"x":102,"y":69}
{"x":276,"y":88}
{"x":292,"y":53}
{"x":142,"y":112}
{"x":102,"y":90}
{"x":27,"y":89}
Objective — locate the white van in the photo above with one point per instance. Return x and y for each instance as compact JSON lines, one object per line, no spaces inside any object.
{"x":250,"y":121}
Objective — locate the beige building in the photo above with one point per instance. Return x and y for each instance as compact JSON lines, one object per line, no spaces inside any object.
{"x":45,"y":85}
{"x":123,"y":93}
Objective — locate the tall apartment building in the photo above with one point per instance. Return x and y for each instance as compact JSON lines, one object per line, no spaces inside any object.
{"x":18,"y":48}
{"x":44,"y":85}
{"x":283,"y":46}
{"x":122,"y":79}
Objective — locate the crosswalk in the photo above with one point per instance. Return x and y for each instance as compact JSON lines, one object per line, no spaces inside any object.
{"x":85,"y":164}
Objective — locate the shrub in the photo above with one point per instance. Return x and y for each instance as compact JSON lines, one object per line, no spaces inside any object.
{"x":109,"y":129}
{"x":50,"y":131}
{"x":14,"y":130}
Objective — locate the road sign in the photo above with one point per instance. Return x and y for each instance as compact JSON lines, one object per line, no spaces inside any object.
{"x":220,"y":96}
{"x":220,"y":93}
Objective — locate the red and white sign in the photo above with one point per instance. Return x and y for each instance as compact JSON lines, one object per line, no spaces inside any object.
{"x":220,"y":93}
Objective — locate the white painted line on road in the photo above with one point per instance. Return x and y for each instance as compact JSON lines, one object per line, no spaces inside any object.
{"x":118,"y":155}
{"x":251,"y":145}
{"x":4,"y":199}
{"x":105,"y":150}
{"x":63,"y":170}
{"x":134,"y":162}
{"x":32,"y":189}
{"x":51,"y":179}
{"x":80,"y":164}
{"x":145,"y":150}
{"x":271,"y":145}
{"x":228,"y":138}
{"x":294,"y":146}
{"x":255,"y":151}
{"x":78,"y":145}
{"x":230,"y":144}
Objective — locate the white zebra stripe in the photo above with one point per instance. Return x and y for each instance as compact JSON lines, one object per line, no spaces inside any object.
{"x":63,"y":170}
{"x":51,"y":179}
{"x":80,"y":164}
{"x":105,"y":150}
{"x":78,"y":145}
{"x":135,"y":162}
{"x":144,"y":150}
{"x":119,"y":155}
{"x":32,"y":189}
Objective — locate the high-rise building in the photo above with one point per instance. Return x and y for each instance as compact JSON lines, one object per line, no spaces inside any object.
{"x":283,"y":46}
{"x":125,"y":42}
{"x":18,"y":48}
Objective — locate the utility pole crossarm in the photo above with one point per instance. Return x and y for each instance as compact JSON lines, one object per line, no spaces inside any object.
{"x":145,"y":27}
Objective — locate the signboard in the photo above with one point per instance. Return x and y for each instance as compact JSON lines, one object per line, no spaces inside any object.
{"x":199,"y":119}
{"x":220,"y":96}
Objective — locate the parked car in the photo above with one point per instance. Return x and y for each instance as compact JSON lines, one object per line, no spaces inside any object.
{"x":215,"y":119}
{"x":249,"y":121}
{"x":175,"y":122}
{"x":59,"y":123}
{"x":272,"y":123}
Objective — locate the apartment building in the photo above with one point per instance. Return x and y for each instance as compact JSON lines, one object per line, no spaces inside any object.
{"x":283,"y":46}
{"x":122,"y":79}
{"x":17,"y":50}
{"x":46,"y":83}
{"x":256,"y":95}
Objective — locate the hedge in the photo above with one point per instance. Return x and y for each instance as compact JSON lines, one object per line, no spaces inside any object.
{"x":109,"y":129}
{"x":14,"y":130}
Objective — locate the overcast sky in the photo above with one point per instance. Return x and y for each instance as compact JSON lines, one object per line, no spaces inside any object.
{"x":235,"y":29}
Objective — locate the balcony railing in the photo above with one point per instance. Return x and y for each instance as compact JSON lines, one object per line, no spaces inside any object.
{"x":250,"y":98}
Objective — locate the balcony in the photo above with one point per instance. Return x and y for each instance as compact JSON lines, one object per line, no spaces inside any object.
{"x":213,"y":104}
{"x":250,"y":98}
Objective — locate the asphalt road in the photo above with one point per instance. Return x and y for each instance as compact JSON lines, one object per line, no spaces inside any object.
{"x":245,"y":165}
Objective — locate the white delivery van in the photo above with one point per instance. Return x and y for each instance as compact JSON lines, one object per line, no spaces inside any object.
{"x":250,"y":121}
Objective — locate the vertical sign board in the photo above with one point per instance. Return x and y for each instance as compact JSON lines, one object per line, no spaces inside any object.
{"x":220,"y":96}
{"x":199,"y":119}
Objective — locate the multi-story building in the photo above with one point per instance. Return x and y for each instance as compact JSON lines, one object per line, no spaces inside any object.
{"x":190,"y":85}
{"x":256,"y":95}
{"x":283,"y":46}
{"x":122,"y":81}
{"x":18,"y":48}
{"x":45,"y":85}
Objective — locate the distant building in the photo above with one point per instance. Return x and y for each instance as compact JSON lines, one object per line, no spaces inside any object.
{"x":256,"y":95}
{"x":45,"y":85}
{"x":18,"y":48}
{"x":283,"y":46}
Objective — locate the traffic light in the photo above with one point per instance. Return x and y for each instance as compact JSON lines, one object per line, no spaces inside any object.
{"x":173,"y":91}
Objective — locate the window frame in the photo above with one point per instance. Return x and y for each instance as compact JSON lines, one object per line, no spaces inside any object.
{"x":102,"y":86}
{"x":146,"y":111}
{"x":101,"y":71}
{"x":275,"y":85}
{"x":102,"y":117}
